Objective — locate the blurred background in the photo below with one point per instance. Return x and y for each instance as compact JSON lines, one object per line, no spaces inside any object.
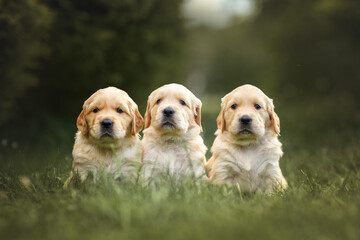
{"x":54,"y":54}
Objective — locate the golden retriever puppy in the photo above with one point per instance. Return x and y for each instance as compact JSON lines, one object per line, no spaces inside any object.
{"x":172,"y":145}
{"x":107,"y":139}
{"x":246,"y":151}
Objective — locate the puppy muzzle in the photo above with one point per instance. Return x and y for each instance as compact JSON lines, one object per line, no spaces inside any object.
{"x":245,"y":125}
{"x":106,"y":128}
{"x":168,"y":118}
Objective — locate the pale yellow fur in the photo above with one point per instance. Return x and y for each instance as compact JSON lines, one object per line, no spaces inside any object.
{"x":118,"y":155}
{"x":122,"y":159}
{"x":178,"y":152}
{"x":247,"y":161}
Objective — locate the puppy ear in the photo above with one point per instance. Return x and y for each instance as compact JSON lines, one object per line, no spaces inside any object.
{"x":148,"y":115}
{"x":137,"y":121}
{"x":81,"y":122}
{"x":197,"y":113}
{"x":274,"y":119}
{"x":221,"y":118}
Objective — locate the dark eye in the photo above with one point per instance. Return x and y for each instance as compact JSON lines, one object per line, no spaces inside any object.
{"x":95,"y":110}
{"x":234,"y":106}
{"x":119,"y":110}
{"x":182,"y":102}
{"x":257,"y":106}
{"x":158,"y":101}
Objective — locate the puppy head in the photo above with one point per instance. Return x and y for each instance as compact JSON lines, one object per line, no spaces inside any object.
{"x":172,"y":108}
{"x":247,"y":113}
{"x":108,"y":115}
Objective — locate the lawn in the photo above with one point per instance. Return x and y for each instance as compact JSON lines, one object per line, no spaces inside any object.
{"x":322,"y":202}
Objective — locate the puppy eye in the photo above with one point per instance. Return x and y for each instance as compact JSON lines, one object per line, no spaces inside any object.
{"x":234,"y":106}
{"x":182,"y":102}
{"x":257,"y":106}
{"x":119,"y":110}
{"x":158,"y":101}
{"x":95,"y":110}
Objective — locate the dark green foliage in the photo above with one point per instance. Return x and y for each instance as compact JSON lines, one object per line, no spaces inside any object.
{"x":298,"y":48}
{"x":24,"y":32}
{"x":65,"y":50}
{"x":303,"y":54}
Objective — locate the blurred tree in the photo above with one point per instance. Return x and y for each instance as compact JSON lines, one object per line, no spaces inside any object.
{"x":58,"y":52}
{"x":316,"y":44}
{"x":303,"y":53}
{"x":300,"y":46}
{"x":24,"y":27}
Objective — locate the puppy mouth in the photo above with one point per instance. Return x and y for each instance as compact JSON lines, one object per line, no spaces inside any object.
{"x":106,"y":135}
{"x":168,"y":124}
{"x":245,"y":131}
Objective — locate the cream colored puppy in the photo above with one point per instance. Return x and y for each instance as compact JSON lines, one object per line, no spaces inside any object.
{"x":172,"y":144}
{"x":107,"y":138}
{"x":246,"y":151}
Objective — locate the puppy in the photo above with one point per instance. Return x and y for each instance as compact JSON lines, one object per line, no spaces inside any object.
{"x":246,"y":151}
{"x":171,"y":145}
{"x":107,"y":139}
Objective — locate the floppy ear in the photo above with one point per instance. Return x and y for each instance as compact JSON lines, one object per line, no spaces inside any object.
{"x":197,"y":113}
{"x":274,"y":119}
{"x":148,"y":115}
{"x":137,"y":121}
{"x":81,"y":122}
{"x":221,"y":118}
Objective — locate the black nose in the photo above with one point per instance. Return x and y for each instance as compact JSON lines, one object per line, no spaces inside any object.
{"x":246,"y":120}
{"x":106,"y":123}
{"x":168,"y":112}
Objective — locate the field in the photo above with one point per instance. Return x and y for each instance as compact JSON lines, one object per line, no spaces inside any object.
{"x":322,"y":202}
{"x":303,"y":54}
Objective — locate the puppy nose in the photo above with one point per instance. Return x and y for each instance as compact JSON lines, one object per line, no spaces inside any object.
{"x":106,"y":123}
{"x":246,"y":120}
{"x":168,"y":112}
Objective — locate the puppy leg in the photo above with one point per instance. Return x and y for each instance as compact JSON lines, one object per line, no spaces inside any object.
{"x":148,"y":174}
{"x":66,"y":184}
{"x":208,"y":167}
{"x":127,"y":169}
{"x":274,"y":180}
{"x":225,"y":171}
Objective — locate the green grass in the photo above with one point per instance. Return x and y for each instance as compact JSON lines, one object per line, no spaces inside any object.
{"x":322,"y":202}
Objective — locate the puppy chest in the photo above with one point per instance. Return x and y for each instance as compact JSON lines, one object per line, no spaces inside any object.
{"x":110,"y":158}
{"x":171,"y":156}
{"x":166,"y":153}
{"x":249,"y":166}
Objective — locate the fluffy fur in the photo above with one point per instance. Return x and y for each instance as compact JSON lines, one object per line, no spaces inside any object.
{"x":172,"y":145}
{"x":114,"y":149}
{"x":246,"y":153}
